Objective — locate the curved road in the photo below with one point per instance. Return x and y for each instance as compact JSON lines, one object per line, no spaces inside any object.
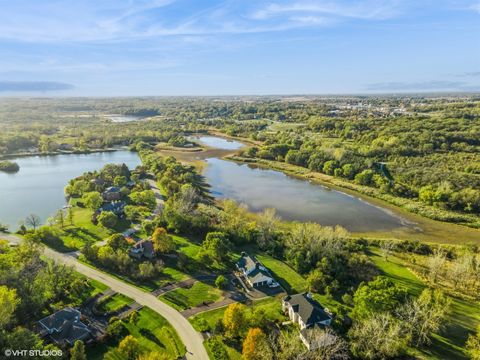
{"x":192,"y":339}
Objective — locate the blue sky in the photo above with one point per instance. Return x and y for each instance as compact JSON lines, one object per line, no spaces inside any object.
{"x":206,"y":47}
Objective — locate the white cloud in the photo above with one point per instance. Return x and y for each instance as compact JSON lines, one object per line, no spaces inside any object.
{"x":370,"y":9}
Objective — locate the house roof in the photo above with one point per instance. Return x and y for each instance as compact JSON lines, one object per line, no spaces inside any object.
{"x":113,"y":206}
{"x":307,"y":308}
{"x":65,"y":325}
{"x":147,"y":246}
{"x":56,"y":320}
{"x":259,"y":275}
{"x":112,"y":189}
{"x":247,"y":262}
{"x":71,"y":331}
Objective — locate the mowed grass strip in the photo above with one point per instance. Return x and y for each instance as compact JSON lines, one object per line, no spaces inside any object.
{"x":184,"y":298}
{"x":115,"y":302}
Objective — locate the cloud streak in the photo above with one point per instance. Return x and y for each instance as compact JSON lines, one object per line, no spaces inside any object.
{"x":434,"y":85}
{"x":33,"y":86}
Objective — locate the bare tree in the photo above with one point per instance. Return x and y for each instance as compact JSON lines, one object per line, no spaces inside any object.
{"x":60,"y":218}
{"x":387,"y":247}
{"x":267,"y":224}
{"x":33,"y":221}
{"x":436,"y":264}
{"x":424,"y":316}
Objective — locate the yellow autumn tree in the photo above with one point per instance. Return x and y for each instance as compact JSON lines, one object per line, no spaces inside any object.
{"x":255,"y":346}
{"x":129,"y":347}
{"x":162,"y":242}
{"x":235,"y":319}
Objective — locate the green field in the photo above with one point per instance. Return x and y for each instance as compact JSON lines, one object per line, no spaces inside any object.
{"x":152,"y":331}
{"x":115,"y":303}
{"x":462,"y":320}
{"x":199,"y":293}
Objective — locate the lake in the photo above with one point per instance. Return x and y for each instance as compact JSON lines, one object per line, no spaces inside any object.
{"x":217,"y":142}
{"x":38,"y":187}
{"x":294,"y":199}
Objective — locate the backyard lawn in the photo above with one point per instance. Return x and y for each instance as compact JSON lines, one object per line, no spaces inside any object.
{"x":199,"y":293}
{"x":292,"y":281}
{"x":153,"y":333}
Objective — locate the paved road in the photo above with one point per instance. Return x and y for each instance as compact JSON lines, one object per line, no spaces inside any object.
{"x":192,"y":339}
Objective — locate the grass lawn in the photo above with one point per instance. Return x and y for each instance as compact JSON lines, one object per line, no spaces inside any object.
{"x":292,"y":281}
{"x":115,"y":302}
{"x":83,"y":231}
{"x":199,"y":293}
{"x":153,"y":333}
{"x":462,"y":320}
{"x":206,"y":320}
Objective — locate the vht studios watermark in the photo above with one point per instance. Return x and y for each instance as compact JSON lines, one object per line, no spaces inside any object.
{"x":31,"y":353}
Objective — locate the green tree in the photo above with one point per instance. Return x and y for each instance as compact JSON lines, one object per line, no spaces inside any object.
{"x":162,"y":242}
{"x":221,"y":282}
{"x":120,"y":181}
{"x":235,"y":320}
{"x":93,"y":200}
{"x":78,"y":351}
{"x":473,"y":345}
{"x":117,"y":241}
{"x":8,"y":304}
{"x":379,"y":295}
{"x":107,"y":219}
{"x":217,"y":245}
{"x":129,"y":347}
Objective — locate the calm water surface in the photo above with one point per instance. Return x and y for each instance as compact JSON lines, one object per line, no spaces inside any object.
{"x":219,"y":143}
{"x":294,"y":199}
{"x":38,"y":187}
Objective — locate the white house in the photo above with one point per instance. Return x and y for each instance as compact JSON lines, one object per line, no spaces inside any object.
{"x":254,"y":272}
{"x":303,"y":310}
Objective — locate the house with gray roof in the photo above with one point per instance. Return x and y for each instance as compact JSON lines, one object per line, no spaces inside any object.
{"x":254,"y":272}
{"x":305,"y":311}
{"x":65,"y":327}
{"x":112,"y":194}
{"x":143,"y":248}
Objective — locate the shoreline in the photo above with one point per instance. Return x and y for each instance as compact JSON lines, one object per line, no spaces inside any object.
{"x":55,"y":153}
{"x":424,"y":229}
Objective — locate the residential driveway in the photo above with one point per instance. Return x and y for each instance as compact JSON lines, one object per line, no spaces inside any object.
{"x":192,"y":339}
